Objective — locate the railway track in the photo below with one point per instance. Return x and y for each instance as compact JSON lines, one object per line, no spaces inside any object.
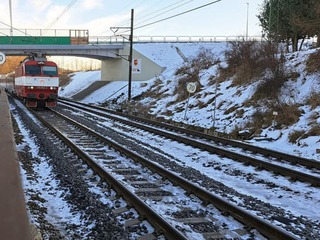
{"x":273,"y":214}
{"x":198,"y":222}
{"x":188,"y":222}
{"x":270,"y":160}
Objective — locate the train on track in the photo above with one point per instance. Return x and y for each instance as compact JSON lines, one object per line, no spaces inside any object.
{"x":36,"y":82}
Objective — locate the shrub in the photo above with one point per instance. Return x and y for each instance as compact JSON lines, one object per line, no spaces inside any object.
{"x":271,"y":85}
{"x":313,"y":62}
{"x":202,"y":61}
{"x":248,"y":59}
{"x":190,"y":72}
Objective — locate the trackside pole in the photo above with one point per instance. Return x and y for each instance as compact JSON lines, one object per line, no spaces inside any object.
{"x":130,"y":56}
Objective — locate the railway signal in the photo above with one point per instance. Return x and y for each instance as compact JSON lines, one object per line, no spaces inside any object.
{"x":191,"y":88}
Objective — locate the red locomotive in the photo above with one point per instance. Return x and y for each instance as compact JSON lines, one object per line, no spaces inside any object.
{"x":37,"y":82}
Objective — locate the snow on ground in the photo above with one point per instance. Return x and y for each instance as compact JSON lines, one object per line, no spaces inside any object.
{"x":84,"y":79}
{"x":191,"y":157}
{"x":212,"y":114}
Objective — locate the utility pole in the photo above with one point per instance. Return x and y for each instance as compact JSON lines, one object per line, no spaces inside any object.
{"x":10,"y":9}
{"x":247,"y":27}
{"x":130,"y":56}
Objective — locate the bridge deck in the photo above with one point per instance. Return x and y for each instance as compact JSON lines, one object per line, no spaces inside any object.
{"x":91,"y":51}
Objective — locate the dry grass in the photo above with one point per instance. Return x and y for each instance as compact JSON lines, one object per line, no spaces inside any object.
{"x":155,"y":91}
{"x":137,"y":108}
{"x":314,"y":131}
{"x":287,"y":115}
{"x":231,"y":110}
{"x":295,"y":135}
{"x":314,"y":100}
{"x":181,"y":89}
{"x":64,"y":77}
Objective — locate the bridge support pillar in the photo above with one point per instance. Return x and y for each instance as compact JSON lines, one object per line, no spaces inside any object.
{"x":117,"y":69}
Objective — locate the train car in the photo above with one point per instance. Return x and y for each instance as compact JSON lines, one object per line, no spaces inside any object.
{"x":36,"y":81}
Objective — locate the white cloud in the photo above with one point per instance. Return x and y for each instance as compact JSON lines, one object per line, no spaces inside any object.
{"x":40,"y":5}
{"x":101,"y":26}
{"x":91,"y":4}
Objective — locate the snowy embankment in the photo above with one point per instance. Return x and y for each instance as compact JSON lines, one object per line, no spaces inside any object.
{"x":204,"y":112}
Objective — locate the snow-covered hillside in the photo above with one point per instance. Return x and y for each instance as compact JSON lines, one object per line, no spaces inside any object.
{"x":204,"y":112}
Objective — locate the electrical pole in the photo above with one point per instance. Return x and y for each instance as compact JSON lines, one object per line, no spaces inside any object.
{"x":247,"y":27}
{"x":130,"y":56}
{"x":11,"y":28}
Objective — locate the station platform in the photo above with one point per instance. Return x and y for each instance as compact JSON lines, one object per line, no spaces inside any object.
{"x":14,"y":223}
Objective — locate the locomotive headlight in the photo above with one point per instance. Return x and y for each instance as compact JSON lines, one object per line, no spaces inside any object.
{"x":31,"y":87}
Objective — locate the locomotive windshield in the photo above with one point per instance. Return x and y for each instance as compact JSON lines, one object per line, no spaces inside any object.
{"x":33,"y":70}
{"x":41,"y":70}
{"x":49,"y":70}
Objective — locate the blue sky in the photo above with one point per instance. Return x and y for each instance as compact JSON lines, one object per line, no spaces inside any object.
{"x":224,"y":18}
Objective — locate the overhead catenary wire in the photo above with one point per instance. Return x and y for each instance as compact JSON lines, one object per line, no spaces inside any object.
{"x":176,"y":15}
{"x":49,"y":26}
{"x":174,"y":8}
{"x":130,"y":3}
{"x":173,"y":16}
{"x":61,"y":14}
{"x":14,"y":29}
{"x":157,"y":11}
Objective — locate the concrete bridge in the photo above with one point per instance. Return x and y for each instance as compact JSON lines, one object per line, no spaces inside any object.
{"x":114,"y":63}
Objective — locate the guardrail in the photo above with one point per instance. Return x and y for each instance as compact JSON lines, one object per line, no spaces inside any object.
{"x":168,"y":39}
{"x":81,"y":36}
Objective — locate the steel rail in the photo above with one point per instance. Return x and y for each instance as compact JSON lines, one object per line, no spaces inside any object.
{"x":264,"y":227}
{"x":311,"y":163}
{"x":296,"y":175}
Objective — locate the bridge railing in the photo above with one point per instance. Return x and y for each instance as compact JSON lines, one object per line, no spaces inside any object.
{"x":166,"y":39}
{"x":73,"y":36}
{"x":34,"y":32}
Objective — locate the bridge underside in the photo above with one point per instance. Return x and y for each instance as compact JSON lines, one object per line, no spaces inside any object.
{"x":90,"y":51}
{"x":114,"y":66}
